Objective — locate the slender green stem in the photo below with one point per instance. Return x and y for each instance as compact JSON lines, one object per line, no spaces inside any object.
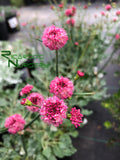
{"x":32,"y":121}
{"x":83,"y":94}
{"x":107,"y":62}
{"x":27,"y":113}
{"x":24,"y":147}
{"x":56,"y":63}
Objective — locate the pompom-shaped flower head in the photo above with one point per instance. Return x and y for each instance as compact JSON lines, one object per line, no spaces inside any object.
{"x":62,"y":87}
{"x":70,"y":12}
{"x":54,"y":38}
{"x":71,"y":22}
{"x":108,"y":7}
{"x":76,"y":117}
{"x":53,"y":111}
{"x":26,"y":89}
{"x":118,"y":13}
{"x":14,"y":123}
{"x":36,"y":99}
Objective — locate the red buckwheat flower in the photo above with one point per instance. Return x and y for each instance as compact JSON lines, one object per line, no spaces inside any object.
{"x":14,"y":123}
{"x":62,"y":87}
{"x":36,"y":99}
{"x":54,"y":38}
{"x":76,"y":117}
{"x":71,"y":22}
{"x":108,"y":7}
{"x":53,"y":111}
{"x":26,"y":89}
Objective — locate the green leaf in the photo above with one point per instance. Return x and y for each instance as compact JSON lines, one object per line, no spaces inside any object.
{"x":108,"y":124}
{"x":86,"y":112}
{"x":47,"y":152}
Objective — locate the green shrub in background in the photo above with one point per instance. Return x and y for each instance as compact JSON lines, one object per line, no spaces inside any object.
{"x":17,"y":3}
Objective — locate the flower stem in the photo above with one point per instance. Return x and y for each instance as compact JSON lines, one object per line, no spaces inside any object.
{"x":24,"y":147}
{"x":32,"y":121}
{"x":83,"y":94}
{"x":56,"y":63}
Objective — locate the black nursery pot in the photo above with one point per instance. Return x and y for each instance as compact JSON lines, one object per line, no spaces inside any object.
{"x":3,"y":31}
{"x":12,"y":23}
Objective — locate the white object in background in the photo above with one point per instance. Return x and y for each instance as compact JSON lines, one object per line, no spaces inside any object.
{"x":13,"y":23}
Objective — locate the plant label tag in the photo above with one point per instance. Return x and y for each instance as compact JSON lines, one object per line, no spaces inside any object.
{"x":13,"y":23}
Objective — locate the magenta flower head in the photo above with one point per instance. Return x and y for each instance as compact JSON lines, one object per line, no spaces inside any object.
{"x":108,"y":7}
{"x":36,"y":99}
{"x":118,"y":13}
{"x":26,"y":89}
{"x":71,"y":22}
{"x":70,"y":12}
{"x":117,"y":36}
{"x":54,"y":38}
{"x":76,"y":117}
{"x":80,"y":74}
{"x":14,"y":123}
{"x":53,"y":111}
{"x":62,"y":87}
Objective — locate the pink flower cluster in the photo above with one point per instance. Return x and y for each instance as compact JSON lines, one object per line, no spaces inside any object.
{"x":108,"y":7}
{"x":61,"y":5}
{"x":36,"y":99}
{"x":26,"y":89}
{"x":62,"y":87}
{"x":80,"y":74}
{"x":76,"y":117}
{"x":117,"y":36}
{"x":70,"y":12}
{"x":103,"y":13}
{"x":53,"y":111}
{"x":118,"y":13}
{"x":54,"y":38}
{"x":14,"y":123}
{"x":71,"y":22}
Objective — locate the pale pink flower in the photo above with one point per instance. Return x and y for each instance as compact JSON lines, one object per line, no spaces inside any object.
{"x":36,"y":99}
{"x":76,"y":43}
{"x":71,"y":22}
{"x":115,"y":19}
{"x":54,"y":38}
{"x":81,"y":74}
{"x":108,"y":7}
{"x":118,"y":13}
{"x":76,"y":117}
{"x":14,"y":123}
{"x":117,"y":36}
{"x":62,"y":87}
{"x":102,"y":13}
{"x":53,"y":111}
{"x":26,"y":89}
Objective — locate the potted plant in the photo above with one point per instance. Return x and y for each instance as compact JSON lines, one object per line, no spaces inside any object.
{"x":3,"y":28}
{"x":11,"y":19}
